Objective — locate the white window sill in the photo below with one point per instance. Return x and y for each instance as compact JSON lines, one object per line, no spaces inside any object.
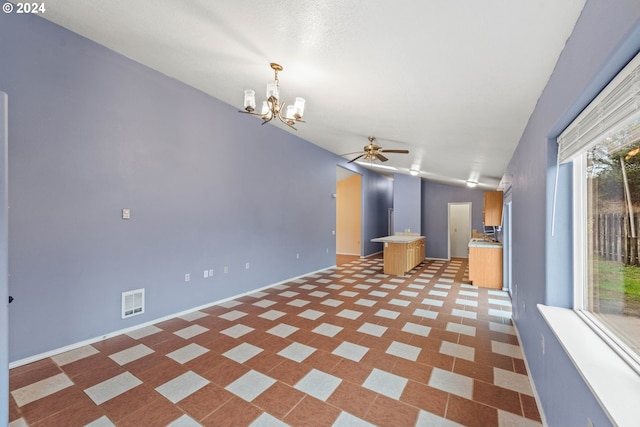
{"x":613,"y":382}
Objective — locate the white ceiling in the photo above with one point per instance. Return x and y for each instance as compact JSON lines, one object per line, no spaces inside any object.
{"x":453,"y":81}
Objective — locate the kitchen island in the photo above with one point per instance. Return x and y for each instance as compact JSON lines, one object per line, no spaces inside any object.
{"x":401,"y":253}
{"x":485,"y":263}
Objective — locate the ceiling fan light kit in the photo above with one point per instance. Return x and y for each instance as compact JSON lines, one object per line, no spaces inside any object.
{"x":372,"y":152}
{"x":272,"y":107}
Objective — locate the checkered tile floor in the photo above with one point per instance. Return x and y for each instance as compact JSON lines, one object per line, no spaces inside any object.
{"x":346,"y":347}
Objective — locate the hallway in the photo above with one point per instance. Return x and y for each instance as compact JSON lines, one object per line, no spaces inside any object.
{"x":349,"y":346}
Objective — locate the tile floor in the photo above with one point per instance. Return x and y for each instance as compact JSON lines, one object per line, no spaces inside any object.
{"x":346,"y":347}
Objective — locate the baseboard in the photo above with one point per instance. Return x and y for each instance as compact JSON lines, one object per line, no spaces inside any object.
{"x":90,"y":341}
{"x":437,"y":259}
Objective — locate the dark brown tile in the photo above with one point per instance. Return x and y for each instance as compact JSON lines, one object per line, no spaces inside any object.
{"x":351,"y":371}
{"x":159,"y":412}
{"x":234,"y":413}
{"x":470,"y":413}
{"x":92,"y":370}
{"x":115,"y":344}
{"x":173,"y":325}
{"x":474,"y":370}
{"x":436,"y":359}
{"x":352,"y":398}
{"x":289,"y":372}
{"x":279,"y":399}
{"x":389,"y":412}
{"x":205,"y":362}
{"x":226,"y":372}
{"x":530,"y":407}
{"x":31,"y":373}
{"x":72,"y":416}
{"x":162,"y":373}
{"x":497,"y":397}
{"x":379,"y":359}
{"x":412,"y":370}
{"x":312,"y":412}
{"x":54,"y":403}
{"x":322,"y":360}
{"x":128,"y":402}
{"x":424,"y":397}
{"x":205,"y":401}
{"x":14,"y":411}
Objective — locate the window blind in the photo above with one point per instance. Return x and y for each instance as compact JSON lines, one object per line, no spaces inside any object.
{"x":613,"y":117}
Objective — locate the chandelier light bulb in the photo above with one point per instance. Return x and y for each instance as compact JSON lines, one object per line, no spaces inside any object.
{"x":272,"y":108}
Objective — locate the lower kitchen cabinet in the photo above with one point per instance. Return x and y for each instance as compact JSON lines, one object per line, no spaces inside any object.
{"x":485,"y":266}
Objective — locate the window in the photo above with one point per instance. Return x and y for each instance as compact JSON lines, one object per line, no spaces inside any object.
{"x":604,"y":145}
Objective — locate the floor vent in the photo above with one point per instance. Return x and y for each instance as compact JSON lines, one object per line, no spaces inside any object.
{"x":132,"y":303}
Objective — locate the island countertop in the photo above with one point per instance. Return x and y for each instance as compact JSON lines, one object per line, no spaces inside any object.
{"x":397,"y":239}
{"x":482,"y":243}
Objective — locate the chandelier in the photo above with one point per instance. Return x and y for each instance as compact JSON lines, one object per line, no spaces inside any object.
{"x":272,"y":107}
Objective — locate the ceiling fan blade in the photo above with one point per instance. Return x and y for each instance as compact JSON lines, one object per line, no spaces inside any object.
{"x":381,"y":157}
{"x":353,"y":160}
{"x":396,"y":151}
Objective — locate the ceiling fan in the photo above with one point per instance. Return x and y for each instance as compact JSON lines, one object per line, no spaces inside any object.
{"x":373,"y":151}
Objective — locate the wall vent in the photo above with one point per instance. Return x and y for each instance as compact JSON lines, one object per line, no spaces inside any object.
{"x":132,"y":303}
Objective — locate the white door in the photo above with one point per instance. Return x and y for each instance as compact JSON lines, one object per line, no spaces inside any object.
{"x":459,"y":229}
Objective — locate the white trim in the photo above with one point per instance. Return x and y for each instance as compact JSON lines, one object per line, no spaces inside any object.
{"x":612,"y":381}
{"x":76,"y":345}
{"x":579,"y":232}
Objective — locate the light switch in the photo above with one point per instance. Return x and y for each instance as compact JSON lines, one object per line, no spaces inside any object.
{"x":126,"y":213}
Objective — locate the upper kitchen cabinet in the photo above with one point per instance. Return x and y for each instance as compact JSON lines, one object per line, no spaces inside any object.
{"x":493,"y":208}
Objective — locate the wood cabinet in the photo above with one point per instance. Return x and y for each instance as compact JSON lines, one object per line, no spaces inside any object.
{"x":485,"y":266}
{"x":399,"y":258}
{"x":493,"y":208}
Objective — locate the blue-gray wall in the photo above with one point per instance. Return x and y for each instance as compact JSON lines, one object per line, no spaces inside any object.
{"x":377,"y":193}
{"x":435,"y":214}
{"x":4,"y":285}
{"x":93,"y":132}
{"x":606,"y":37}
{"x":406,"y":203}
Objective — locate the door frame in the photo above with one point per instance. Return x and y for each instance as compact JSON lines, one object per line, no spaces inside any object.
{"x":470,"y":206}
{"x":4,"y":273}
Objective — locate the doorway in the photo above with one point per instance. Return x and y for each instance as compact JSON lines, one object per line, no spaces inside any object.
{"x":459,"y":229}
{"x":507,"y":248}
{"x":348,"y":212}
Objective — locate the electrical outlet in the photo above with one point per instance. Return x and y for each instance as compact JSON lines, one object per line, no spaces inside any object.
{"x":297,"y":256}
{"x":126,"y":213}
{"x":211,"y":272}
{"x":206,"y":274}
{"x":187,"y":277}
{"x":246,"y":266}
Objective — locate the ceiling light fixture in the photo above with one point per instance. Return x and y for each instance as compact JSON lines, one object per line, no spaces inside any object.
{"x":472,"y":184}
{"x":272,"y":108}
{"x":414,"y":172}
